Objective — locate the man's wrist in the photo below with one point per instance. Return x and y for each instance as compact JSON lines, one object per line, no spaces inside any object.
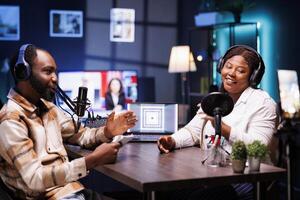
{"x":89,"y":161}
{"x":101,"y":136}
{"x":107,"y":133}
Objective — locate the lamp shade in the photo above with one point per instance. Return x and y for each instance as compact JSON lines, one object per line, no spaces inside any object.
{"x":181,"y":60}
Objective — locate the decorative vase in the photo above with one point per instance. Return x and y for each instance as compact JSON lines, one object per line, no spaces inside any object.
{"x":254,"y":164}
{"x":237,"y":16}
{"x":238,"y":166}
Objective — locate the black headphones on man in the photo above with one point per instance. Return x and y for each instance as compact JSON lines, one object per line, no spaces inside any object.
{"x":257,"y":73}
{"x":22,"y":69}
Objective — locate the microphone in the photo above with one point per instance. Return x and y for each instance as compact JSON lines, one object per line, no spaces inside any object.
{"x":81,"y":102}
{"x":217,"y":104}
{"x":77,"y":106}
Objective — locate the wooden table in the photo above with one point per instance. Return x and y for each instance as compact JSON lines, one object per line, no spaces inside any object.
{"x":142,"y":167}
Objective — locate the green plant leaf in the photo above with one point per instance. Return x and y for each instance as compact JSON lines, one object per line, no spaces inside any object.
{"x":239,"y":151}
{"x":257,"y":149}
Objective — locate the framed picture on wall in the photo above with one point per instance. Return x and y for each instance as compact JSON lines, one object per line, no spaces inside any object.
{"x":9,"y":22}
{"x":66,"y":23}
{"x":122,"y":25}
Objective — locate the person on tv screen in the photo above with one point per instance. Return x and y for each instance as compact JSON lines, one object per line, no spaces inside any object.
{"x":34,"y":161}
{"x":115,"y":96}
{"x":253,"y":117}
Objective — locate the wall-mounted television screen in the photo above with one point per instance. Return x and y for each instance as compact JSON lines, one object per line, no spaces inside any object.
{"x":97,"y":84}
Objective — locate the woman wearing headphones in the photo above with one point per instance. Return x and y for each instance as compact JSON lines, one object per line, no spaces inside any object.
{"x":254,"y":114}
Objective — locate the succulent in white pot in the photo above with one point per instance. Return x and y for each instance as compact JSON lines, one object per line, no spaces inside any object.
{"x":257,"y":151}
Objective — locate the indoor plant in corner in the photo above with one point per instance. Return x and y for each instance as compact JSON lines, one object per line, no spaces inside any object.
{"x":236,"y":7}
{"x":238,"y":156}
{"x":257,"y":151}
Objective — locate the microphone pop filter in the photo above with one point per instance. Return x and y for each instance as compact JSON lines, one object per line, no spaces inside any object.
{"x":217,"y":100}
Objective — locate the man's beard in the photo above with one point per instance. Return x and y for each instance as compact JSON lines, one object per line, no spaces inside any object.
{"x":43,"y":90}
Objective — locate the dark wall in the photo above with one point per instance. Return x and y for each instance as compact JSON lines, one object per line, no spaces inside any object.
{"x":70,"y":52}
{"x":284,"y":13}
{"x":148,"y":55}
{"x":287,"y":31}
{"x":34,"y":28}
{"x":283,"y":30}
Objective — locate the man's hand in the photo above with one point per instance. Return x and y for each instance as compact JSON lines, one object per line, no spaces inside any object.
{"x":166,"y":144}
{"x":106,"y":153}
{"x":117,"y":124}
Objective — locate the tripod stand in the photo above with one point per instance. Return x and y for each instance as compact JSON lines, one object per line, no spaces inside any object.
{"x":287,"y":132}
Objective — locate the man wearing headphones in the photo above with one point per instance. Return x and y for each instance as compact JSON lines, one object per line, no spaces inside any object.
{"x":34,"y":162}
{"x":254,"y":114}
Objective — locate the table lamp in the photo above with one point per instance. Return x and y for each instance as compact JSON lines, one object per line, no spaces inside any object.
{"x":182,"y":61}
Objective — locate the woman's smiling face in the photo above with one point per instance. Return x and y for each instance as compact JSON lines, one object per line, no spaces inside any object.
{"x":235,"y":75}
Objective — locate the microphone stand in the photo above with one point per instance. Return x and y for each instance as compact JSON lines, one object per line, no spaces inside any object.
{"x":217,"y":104}
{"x":216,"y":158}
{"x":91,"y":121}
{"x":65,"y":98}
{"x":62,"y":95}
{"x":218,"y":119}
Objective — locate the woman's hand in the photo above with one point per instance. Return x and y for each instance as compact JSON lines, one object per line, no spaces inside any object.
{"x":166,"y":144}
{"x":117,"y":124}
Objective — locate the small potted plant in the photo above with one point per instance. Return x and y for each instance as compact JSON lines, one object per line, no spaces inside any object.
{"x":257,"y":151}
{"x":238,"y":156}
